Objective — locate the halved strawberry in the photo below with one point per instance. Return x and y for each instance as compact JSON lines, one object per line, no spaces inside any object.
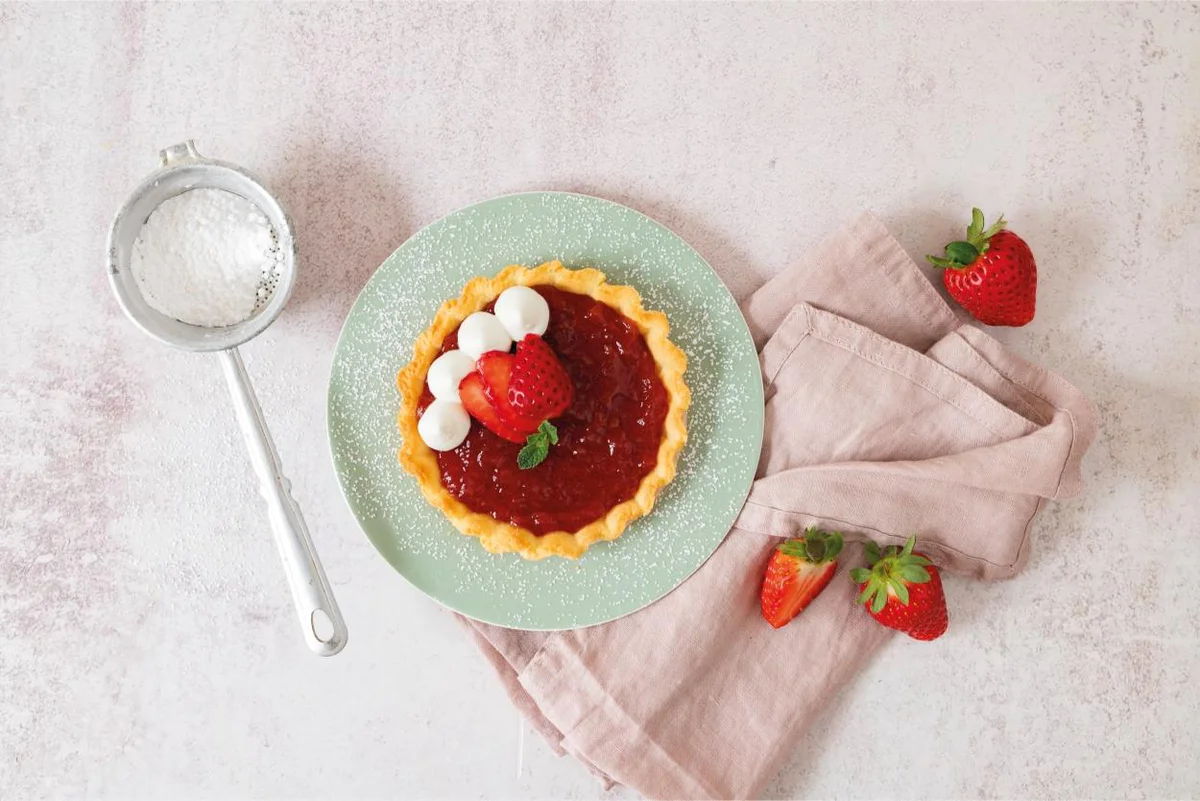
{"x":496,"y":367}
{"x":473,"y":394}
{"x":540,"y":388}
{"x":799,"y":569}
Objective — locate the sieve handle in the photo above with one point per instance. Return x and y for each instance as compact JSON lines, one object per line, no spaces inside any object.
{"x":310,"y":589}
{"x":177,"y":154}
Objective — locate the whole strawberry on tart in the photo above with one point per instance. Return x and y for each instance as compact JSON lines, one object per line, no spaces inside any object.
{"x":543,"y":410}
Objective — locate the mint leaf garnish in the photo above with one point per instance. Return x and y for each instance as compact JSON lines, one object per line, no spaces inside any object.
{"x":532,"y":454}
{"x":537,"y":446}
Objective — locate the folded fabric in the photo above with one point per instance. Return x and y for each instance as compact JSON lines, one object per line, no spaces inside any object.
{"x":884,"y":418}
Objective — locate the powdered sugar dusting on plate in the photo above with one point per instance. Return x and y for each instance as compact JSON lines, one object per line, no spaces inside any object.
{"x":724,"y":422}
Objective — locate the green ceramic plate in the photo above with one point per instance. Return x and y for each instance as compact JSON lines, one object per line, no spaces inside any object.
{"x":725,"y":422}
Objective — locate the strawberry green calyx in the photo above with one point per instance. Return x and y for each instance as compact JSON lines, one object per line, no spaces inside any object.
{"x":815,"y":546}
{"x":890,"y":571}
{"x":962,"y":254}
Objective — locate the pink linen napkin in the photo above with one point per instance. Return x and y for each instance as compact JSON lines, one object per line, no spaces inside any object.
{"x":884,"y":417}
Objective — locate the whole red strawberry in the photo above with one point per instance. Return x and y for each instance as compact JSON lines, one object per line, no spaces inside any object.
{"x":799,"y":569}
{"x":540,"y":387}
{"x":992,"y":274}
{"x":903,"y":591}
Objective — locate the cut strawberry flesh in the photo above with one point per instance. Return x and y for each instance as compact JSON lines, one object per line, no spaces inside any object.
{"x":473,"y":393}
{"x":790,"y":585}
{"x":496,"y":368}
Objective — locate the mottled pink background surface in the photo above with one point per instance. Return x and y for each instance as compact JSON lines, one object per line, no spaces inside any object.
{"x":149,"y":647}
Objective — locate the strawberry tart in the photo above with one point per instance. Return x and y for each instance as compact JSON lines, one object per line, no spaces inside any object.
{"x":543,"y":410}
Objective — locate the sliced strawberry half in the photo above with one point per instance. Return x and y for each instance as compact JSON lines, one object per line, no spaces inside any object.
{"x":540,"y":388}
{"x":799,"y":569}
{"x":497,"y":367}
{"x":473,"y":393}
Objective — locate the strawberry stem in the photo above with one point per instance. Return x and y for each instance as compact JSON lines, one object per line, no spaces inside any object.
{"x":892,"y":570}
{"x":815,"y":546}
{"x":960,"y":254}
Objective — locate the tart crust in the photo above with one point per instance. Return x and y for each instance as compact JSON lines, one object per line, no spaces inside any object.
{"x":503,"y":537}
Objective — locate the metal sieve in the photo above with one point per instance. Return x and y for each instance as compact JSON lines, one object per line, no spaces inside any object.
{"x":182,"y":169}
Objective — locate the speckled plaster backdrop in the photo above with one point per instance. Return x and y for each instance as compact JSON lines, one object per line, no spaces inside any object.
{"x":149,"y":649}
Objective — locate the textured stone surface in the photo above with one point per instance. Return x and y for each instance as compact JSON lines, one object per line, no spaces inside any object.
{"x":149,"y":647}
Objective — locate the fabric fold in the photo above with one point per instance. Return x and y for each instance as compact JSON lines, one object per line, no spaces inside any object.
{"x":884,"y":417}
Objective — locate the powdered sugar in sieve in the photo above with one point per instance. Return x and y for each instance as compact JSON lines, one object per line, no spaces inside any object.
{"x":207,"y":257}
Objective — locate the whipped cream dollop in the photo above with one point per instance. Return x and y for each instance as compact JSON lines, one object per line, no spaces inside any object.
{"x":521,"y":310}
{"x":444,"y":425}
{"x":447,"y":372}
{"x":482,"y":332}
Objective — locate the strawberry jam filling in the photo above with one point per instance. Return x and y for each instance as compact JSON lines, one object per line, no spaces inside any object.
{"x":608,"y":438}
